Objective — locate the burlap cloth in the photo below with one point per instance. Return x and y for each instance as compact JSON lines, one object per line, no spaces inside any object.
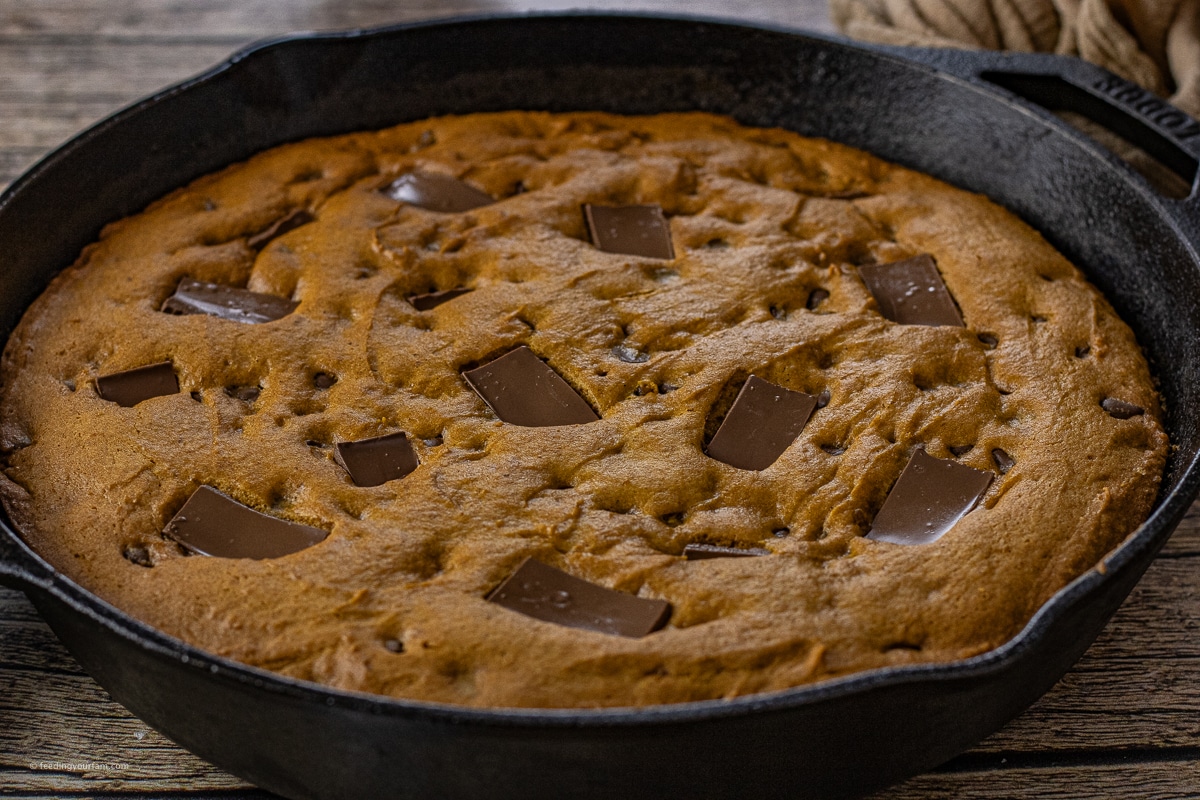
{"x":1155,"y":43}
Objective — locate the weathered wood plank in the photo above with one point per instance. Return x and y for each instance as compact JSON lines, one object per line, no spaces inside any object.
{"x":253,"y":18}
{"x":1134,"y":780}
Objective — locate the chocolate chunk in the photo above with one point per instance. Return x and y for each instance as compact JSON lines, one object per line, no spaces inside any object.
{"x":435,"y":192}
{"x":289,"y":222}
{"x":911,"y":292}
{"x":247,"y":394}
{"x":698,"y":552}
{"x":523,"y":390}
{"x":226,"y":302}
{"x":630,"y":230}
{"x":424,"y":302}
{"x":931,"y":495}
{"x":762,"y":422}
{"x":136,"y":554}
{"x":1004,"y":462}
{"x":551,"y":595}
{"x":371,"y":462}
{"x":132,"y":386}
{"x":629,"y":355}
{"x":1120,"y":409}
{"x":213,"y":524}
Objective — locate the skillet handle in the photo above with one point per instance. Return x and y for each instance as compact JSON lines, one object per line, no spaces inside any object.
{"x":1059,"y":83}
{"x":20,"y":568}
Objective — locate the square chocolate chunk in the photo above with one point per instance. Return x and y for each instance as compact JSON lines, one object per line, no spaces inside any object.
{"x":132,"y":386}
{"x":434,"y":192}
{"x":762,"y":422}
{"x":523,"y":390}
{"x":630,"y":230}
{"x":551,"y":595}
{"x":931,"y":495}
{"x":227,"y":302}
{"x":214,"y":524}
{"x":372,"y":462}
{"x":911,"y":292}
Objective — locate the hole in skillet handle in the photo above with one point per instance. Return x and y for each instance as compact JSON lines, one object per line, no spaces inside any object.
{"x":1126,"y":111}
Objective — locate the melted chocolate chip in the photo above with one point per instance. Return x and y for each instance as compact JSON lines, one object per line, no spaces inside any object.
{"x":699,"y":552}
{"x":1004,"y":462}
{"x":762,"y":422}
{"x":136,"y":554}
{"x":323,"y":380}
{"x":372,"y":462}
{"x":931,"y":495}
{"x":435,"y":192}
{"x":815,"y":298}
{"x":132,"y":386}
{"x":630,"y":355}
{"x":551,"y":595}
{"x":424,"y":302}
{"x":1119,"y":409}
{"x":523,"y":390}
{"x":213,"y":524}
{"x":911,"y":292}
{"x":293,"y":220}
{"x":630,"y":230}
{"x":227,"y":302}
{"x":247,"y":394}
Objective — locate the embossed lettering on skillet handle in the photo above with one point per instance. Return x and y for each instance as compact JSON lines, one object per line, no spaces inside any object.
{"x":1059,"y":83}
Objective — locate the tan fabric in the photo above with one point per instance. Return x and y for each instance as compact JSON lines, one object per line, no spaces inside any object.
{"x":1155,"y":43}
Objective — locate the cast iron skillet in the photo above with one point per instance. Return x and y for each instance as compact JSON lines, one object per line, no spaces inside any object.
{"x":940,"y":112}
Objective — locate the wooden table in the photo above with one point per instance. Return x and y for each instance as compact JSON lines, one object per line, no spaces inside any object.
{"x":1122,"y":723}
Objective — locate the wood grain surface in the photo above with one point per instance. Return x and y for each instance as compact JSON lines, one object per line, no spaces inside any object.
{"x":1122,"y":724}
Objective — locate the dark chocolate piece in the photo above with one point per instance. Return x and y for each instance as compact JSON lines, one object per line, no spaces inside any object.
{"x":931,"y":495}
{"x":226,"y":302}
{"x":132,"y":386}
{"x":371,"y":462}
{"x":911,"y":292}
{"x":435,"y":192}
{"x":1004,"y":462}
{"x":630,"y":355}
{"x":1120,"y":409}
{"x":289,"y":222}
{"x":699,"y":552}
{"x":213,"y":524}
{"x":247,"y":394}
{"x":424,"y":302}
{"x":762,"y":422}
{"x":630,"y":230}
{"x":551,"y":595}
{"x":523,"y":390}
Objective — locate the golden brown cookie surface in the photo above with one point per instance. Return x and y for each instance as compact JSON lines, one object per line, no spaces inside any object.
{"x":767,"y":229}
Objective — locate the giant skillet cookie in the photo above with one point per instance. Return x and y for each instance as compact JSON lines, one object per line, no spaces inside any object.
{"x":579,"y":410}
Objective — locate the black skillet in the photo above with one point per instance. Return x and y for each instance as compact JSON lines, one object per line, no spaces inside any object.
{"x":953,"y":114}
